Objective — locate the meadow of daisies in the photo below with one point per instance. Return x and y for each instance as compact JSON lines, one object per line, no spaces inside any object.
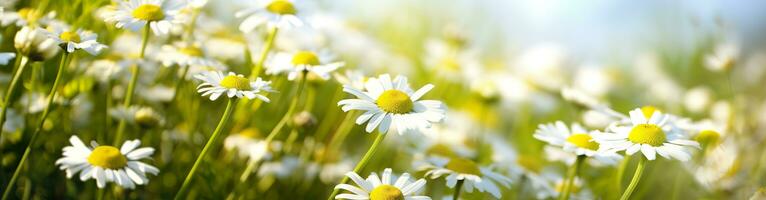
{"x":283,"y":99}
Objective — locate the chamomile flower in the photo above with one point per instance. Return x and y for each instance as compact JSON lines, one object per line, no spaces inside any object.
{"x":161,"y":15}
{"x":294,"y":64}
{"x":353,"y":78}
{"x":183,"y":54}
{"x":649,"y":132}
{"x":247,"y":144}
{"x":144,"y":117}
{"x":272,"y":13}
{"x":25,"y":16}
{"x":574,"y":139}
{"x":233,"y":85}
{"x":6,"y":57}
{"x":107,"y":163}
{"x":390,"y":103}
{"x":460,"y":169}
{"x":388,"y":186}
{"x":72,"y":40}
{"x":35,"y":44}
{"x":723,"y":57}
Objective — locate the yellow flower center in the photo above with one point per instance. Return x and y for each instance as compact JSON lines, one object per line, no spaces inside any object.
{"x":146,"y":118}
{"x":149,"y":12}
{"x":708,"y":137}
{"x":648,"y":111}
{"x":250,"y":133}
{"x":395,"y":101}
{"x":70,"y":36}
{"x":450,"y":64}
{"x":236,"y":82}
{"x":463,"y":166}
{"x":28,"y":14}
{"x":281,"y":7}
{"x":305,"y":58}
{"x":107,"y":157}
{"x":647,"y":134}
{"x":440,"y":150}
{"x":583,"y":140}
{"x":386,"y":192}
{"x":191,"y":51}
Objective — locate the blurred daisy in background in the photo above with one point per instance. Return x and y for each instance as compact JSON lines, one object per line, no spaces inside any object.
{"x":352,"y":78}
{"x":576,"y":140}
{"x":318,"y":63}
{"x":723,"y":57}
{"x":247,"y":143}
{"x":233,"y":85}
{"x":25,"y":16}
{"x":450,"y":61}
{"x":135,"y":14}
{"x":469,"y":172}
{"x":650,"y":133}
{"x":144,"y":117}
{"x":107,"y":69}
{"x":556,"y":185}
{"x":454,"y":137}
{"x":390,"y":103}
{"x":720,"y":168}
{"x":107,"y":163}
{"x":273,"y":13}
{"x":387,"y":186}
{"x":184,"y":54}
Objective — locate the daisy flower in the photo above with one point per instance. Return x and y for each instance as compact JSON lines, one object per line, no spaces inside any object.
{"x":273,"y":13}
{"x":460,"y":169}
{"x":183,"y":54}
{"x":25,"y":16}
{"x":353,"y":78}
{"x":295,"y":63}
{"x":105,"y":70}
{"x":144,"y":117}
{"x":107,"y":163}
{"x":35,"y":44}
{"x":161,"y":15}
{"x":247,"y":144}
{"x":651,"y":132}
{"x":574,"y":139}
{"x":723,"y":57}
{"x":390,"y":103}
{"x":73,"y":40}
{"x":215,"y":84}
{"x":388,"y":186}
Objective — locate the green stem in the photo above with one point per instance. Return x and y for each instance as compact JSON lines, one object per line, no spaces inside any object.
{"x":40,"y":124}
{"x":621,"y":172}
{"x":458,"y":187}
{"x":277,"y":129}
{"x":179,"y":82}
{"x":218,"y":129}
{"x":342,"y":132}
{"x":634,"y":181}
{"x":296,"y":97}
{"x":362,"y":163}
{"x":190,"y":29}
{"x":571,"y":177}
{"x":264,"y":52}
{"x":20,"y":64}
{"x":136,"y":70}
